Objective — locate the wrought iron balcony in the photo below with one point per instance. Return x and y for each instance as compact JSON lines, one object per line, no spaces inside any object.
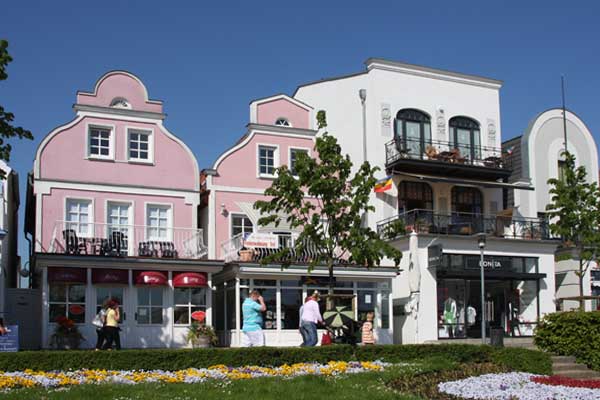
{"x":414,"y":155}
{"x":110,"y":240}
{"x":465,"y":224}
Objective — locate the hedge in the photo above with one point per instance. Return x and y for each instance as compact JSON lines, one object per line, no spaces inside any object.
{"x":168,"y":359}
{"x":573,"y":333}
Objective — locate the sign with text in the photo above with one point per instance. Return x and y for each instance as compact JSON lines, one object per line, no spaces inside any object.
{"x":488,"y":263}
{"x":10,"y":340}
{"x":263,"y":240}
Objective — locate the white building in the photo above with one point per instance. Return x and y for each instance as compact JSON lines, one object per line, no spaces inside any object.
{"x":537,"y":157}
{"x":9,"y":206}
{"x":438,"y":135}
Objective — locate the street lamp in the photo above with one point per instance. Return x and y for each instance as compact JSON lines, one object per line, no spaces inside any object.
{"x":481,"y":243}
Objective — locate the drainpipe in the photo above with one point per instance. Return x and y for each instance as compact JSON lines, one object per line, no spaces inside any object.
{"x":362,"y":93}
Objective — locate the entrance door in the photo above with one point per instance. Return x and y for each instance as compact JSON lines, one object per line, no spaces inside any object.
{"x":116,"y":293}
{"x":119,"y":231}
{"x":496,"y":306}
{"x":151,"y":319}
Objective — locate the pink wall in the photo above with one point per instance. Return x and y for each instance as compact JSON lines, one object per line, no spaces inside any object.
{"x":53,"y":208}
{"x":269,"y":112}
{"x":240,"y":168}
{"x":119,"y":84}
{"x":64,"y":158}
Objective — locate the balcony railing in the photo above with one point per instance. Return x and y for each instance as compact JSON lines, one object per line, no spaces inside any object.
{"x":110,"y":240}
{"x":446,"y":152}
{"x":458,"y":223}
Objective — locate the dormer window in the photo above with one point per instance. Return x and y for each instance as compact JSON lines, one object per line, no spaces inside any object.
{"x":282,"y":122}
{"x":120,"y":102}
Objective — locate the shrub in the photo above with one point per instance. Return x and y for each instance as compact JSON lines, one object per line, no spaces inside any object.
{"x":167,"y":359}
{"x":573,"y":333}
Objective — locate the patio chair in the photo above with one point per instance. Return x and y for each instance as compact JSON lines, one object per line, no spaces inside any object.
{"x":167,"y":250}
{"x":117,"y":244}
{"x":73,"y":245}
{"x":147,"y":249}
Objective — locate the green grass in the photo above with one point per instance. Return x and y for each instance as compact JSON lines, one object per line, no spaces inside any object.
{"x":350,"y":387}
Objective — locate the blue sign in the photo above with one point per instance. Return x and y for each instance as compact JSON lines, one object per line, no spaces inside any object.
{"x":10,"y":340}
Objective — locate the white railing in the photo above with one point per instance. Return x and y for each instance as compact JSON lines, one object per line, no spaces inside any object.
{"x":102,"y":239}
{"x":231,"y":247}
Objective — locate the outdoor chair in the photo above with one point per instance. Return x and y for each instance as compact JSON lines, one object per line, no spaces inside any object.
{"x":167,"y":250}
{"x":117,"y":244}
{"x":73,"y":245}
{"x":148,"y":249}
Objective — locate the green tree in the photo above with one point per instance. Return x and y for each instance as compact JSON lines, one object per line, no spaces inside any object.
{"x":7,"y":130}
{"x":331,"y":217}
{"x":574,"y":215}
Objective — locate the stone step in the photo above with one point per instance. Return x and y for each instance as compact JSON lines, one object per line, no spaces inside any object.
{"x":569,"y":359}
{"x":569,"y":367}
{"x":579,"y":374}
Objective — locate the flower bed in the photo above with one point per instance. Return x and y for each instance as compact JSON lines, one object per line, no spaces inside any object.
{"x":30,"y":378}
{"x":514,"y":385}
{"x":564,"y":381}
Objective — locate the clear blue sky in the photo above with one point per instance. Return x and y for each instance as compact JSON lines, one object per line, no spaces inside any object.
{"x":206,"y":62}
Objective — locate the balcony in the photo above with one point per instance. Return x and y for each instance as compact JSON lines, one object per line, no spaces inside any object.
{"x":439,"y":157}
{"x":463,"y":224}
{"x":109,"y":240}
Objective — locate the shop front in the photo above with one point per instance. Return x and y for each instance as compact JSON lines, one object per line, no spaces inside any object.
{"x":512,"y":286}
{"x":284,"y":291}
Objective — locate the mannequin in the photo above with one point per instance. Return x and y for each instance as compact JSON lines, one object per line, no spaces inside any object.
{"x":450,"y":315}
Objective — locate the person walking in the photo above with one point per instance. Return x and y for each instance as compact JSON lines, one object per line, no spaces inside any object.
{"x":311,"y":315}
{"x":252,"y":309}
{"x":303,"y":331}
{"x":99,"y":322}
{"x":111,"y":327}
{"x":367,"y":329}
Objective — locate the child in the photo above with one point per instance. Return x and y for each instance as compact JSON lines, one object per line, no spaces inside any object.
{"x":367,"y":329}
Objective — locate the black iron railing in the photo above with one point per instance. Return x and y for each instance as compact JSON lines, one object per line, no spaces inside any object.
{"x":458,"y":223}
{"x":446,"y":152}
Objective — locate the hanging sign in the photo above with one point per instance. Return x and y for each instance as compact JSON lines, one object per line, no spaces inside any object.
{"x":262,"y":240}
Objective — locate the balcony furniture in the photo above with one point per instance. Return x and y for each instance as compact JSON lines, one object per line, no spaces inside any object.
{"x":431,"y":152}
{"x":167,"y":250}
{"x":73,"y":244}
{"x":117,"y":244}
{"x":492,"y":162}
{"x":96,"y":246}
{"x":157,"y":248}
{"x":246,"y":255}
{"x":148,"y":249}
{"x":445,"y":156}
{"x":456,"y":157}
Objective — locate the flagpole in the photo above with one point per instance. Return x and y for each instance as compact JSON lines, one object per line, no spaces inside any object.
{"x":562,"y":86}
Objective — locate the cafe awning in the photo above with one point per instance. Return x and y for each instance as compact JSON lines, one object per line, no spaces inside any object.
{"x":190,"y":279}
{"x":110,"y":276}
{"x":67,"y":275}
{"x":151,"y":278}
{"x":255,"y":215}
{"x":468,"y":182}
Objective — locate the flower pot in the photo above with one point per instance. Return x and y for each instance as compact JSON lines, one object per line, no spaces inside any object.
{"x":67,"y":342}
{"x":201,"y":342}
{"x":246,"y":255}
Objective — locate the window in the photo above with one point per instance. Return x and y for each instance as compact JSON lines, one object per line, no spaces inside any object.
{"x":100,"y":145}
{"x":414,"y":196}
{"x":466,"y":136}
{"x":158,"y":222}
{"x":104,"y":294}
{"x":282,"y":122}
{"x":266,"y":160}
{"x":270,"y":315}
{"x":562,"y":165}
{"x":117,"y":218}
{"x":78,"y":216}
{"x":241,"y":224}
{"x":291,"y":300}
{"x":413,"y":132}
{"x":140,"y":146}
{"x":293,"y":157}
{"x":467,"y":200}
{"x":188,"y":301}
{"x":150,"y":305}
{"x":67,"y":300}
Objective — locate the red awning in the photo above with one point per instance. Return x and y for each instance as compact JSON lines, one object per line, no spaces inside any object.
{"x":190,"y":279}
{"x":154,"y":278}
{"x":67,"y":275}
{"x":113,"y":276}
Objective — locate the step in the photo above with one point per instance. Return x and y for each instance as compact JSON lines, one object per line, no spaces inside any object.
{"x":569,"y":367}
{"x":569,"y":359}
{"x":579,"y":374}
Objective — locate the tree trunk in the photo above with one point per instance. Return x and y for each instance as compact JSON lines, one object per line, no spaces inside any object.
{"x":581,"y":301}
{"x":330,"y":304}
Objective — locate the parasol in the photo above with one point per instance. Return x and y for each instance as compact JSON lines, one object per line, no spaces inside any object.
{"x":338,"y":317}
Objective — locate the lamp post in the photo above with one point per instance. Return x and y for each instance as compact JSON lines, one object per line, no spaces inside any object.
{"x":481,"y":243}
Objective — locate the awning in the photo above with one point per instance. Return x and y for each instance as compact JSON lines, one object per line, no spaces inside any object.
{"x":255,"y":215}
{"x":112,"y":276}
{"x":67,"y":275}
{"x":468,"y":182}
{"x":190,"y":279}
{"x":152,"y":278}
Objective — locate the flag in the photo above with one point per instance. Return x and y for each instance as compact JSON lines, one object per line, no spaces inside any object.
{"x":383,"y":185}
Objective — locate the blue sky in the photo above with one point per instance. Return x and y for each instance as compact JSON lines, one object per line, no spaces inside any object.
{"x":207,"y":60}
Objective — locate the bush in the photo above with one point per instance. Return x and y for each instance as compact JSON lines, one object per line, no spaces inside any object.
{"x":574,"y":333}
{"x":167,"y":359}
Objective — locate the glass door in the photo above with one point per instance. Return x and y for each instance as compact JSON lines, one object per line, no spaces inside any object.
{"x":413,"y":138}
{"x":119,"y":229}
{"x":104,"y":294}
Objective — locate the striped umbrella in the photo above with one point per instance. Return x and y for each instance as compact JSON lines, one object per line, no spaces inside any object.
{"x":339,"y":317}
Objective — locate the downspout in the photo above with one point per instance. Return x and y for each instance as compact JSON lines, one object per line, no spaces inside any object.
{"x":362,"y":93}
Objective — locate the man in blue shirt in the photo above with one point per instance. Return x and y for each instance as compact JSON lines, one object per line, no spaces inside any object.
{"x":252,"y":310}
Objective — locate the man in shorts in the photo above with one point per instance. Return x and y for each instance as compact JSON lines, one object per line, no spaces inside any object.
{"x":252,"y":310}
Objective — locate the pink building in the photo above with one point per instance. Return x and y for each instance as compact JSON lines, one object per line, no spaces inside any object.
{"x":116,"y":202}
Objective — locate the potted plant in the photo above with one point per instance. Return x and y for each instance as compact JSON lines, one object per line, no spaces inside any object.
{"x":66,"y":336}
{"x":394,"y":229}
{"x":199,"y":334}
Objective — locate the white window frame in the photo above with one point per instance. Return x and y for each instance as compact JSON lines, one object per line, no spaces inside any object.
{"x":189,"y":305}
{"x":275,"y":148}
{"x":91,"y":227}
{"x":150,"y":306}
{"x":67,"y":301}
{"x":143,"y":131}
{"x":238,"y":214}
{"x":169,"y":206}
{"x":130,"y":216}
{"x":292,"y":148}
{"x":111,"y":142}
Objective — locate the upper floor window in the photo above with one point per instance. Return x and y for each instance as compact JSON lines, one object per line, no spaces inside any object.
{"x":79,"y":216}
{"x":293,"y":157}
{"x":241,"y":224}
{"x":562,"y":166}
{"x":267,"y":160}
{"x":413,"y":131}
{"x":414,"y":196}
{"x":282,"y":122}
{"x":100,"y":144}
{"x":158,"y":221}
{"x":140,"y":146}
{"x":465,"y":134}
{"x":466,"y":199}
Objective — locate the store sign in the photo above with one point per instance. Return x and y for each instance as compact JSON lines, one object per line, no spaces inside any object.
{"x":67,"y":275}
{"x":10,"y":340}
{"x":110,"y":276}
{"x":316,"y":280}
{"x":434,"y":256}
{"x":488,"y":263}
{"x":190,"y":279}
{"x":262,"y":240}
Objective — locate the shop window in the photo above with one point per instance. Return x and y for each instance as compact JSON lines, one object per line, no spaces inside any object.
{"x":466,"y":137}
{"x":385,"y":310}
{"x":413,"y":132}
{"x":291,"y":301}
{"x":150,"y":305}
{"x":188,"y":301}
{"x":456,"y":316}
{"x":219,"y":311}
{"x":67,"y":300}
{"x":366,"y":301}
{"x":104,"y":294}
{"x":270,"y":315}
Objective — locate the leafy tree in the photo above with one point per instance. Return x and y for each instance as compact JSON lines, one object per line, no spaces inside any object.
{"x":574,"y":215}
{"x":7,"y":130}
{"x":331,"y":217}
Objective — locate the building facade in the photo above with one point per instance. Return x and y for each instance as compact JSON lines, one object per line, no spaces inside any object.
{"x":115,"y":208}
{"x":9,"y":259}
